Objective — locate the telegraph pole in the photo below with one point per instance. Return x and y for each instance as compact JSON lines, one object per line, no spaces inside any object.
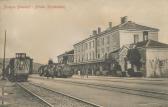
{"x":3,"y":70}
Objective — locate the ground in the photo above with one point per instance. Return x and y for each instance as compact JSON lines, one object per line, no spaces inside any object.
{"x":16,"y":97}
{"x":109,"y":98}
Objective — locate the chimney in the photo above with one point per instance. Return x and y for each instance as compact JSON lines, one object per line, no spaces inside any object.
{"x":124,"y":19}
{"x":110,"y":24}
{"x":99,"y":30}
{"x":94,"y":32}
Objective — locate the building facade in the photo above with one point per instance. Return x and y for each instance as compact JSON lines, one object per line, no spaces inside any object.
{"x":91,"y":53}
{"x":153,"y":58}
{"x":66,"y":58}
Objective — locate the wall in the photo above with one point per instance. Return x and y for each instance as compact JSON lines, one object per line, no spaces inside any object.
{"x":70,"y":58}
{"x":127,"y":37}
{"x":85,"y":51}
{"x":101,"y":45}
{"x":153,"y":36}
{"x":111,"y":43}
{"x":114,"y":41}
{"x":89,"y":53}
{"x":154,"y":58}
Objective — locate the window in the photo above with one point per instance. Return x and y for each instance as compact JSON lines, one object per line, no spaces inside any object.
{"x":107,"y":49}
{"x":90,"y":45}
{"x":77,"y":49}
{"x":90,"y":55}
{"x":93,"y":54}
{"x":86,"y":46}
{"x":102,"y":41}
{"x":79,"y":58}
{"x":98,"y":53}
{"x":98,"y":43}
{"x":93,"y":44}
{"x":87,"y":56}
{"x":145,"y":35}
{"x":108,"y":39}
{"x":106,"y":56}
{"x":136,"y":38}
{"x":82,"y":58}
{"x":102,"y":52}
{"x":81,"y":48}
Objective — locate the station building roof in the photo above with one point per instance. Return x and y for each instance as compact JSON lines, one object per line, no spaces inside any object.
{"x":129,"y":25}
{"x":151,"y":44}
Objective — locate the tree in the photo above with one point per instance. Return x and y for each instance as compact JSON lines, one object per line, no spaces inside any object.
{"x":134,"y":57}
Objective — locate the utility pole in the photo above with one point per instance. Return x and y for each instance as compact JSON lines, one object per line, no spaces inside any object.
{"x":3,"y":70}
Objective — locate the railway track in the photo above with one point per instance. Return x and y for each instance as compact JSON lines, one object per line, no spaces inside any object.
{"x":43,"y":101}
{"x":134,"y":91}
{"x":140,"y":92}
{"x":52,"y":98}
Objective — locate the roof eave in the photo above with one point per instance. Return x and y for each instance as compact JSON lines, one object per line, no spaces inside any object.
{"x":156,"y":47}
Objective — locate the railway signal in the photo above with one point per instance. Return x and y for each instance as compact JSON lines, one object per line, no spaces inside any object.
{"x":3,"y":70}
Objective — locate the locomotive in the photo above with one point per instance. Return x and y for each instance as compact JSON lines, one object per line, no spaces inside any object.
{"x":63,"y":71}
{"x":19,"y":67}
{"x":55,"y":70}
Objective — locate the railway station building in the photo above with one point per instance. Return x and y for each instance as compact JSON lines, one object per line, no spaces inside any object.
{"x":91,"y":55}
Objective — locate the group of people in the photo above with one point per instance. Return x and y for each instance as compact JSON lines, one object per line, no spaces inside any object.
{"x":83,"y":74}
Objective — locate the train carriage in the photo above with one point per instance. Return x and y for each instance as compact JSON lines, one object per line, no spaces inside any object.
{"x":19,"y":67}
{"x":55,"y":70}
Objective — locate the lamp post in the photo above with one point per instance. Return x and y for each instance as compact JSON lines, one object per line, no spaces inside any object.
{"x":3,"y":70}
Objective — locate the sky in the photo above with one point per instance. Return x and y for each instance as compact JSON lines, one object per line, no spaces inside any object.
{"x":46,"y":28}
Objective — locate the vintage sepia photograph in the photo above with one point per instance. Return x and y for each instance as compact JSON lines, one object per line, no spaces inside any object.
{"x":83,"y":53}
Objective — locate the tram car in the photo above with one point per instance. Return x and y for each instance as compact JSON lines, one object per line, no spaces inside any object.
{"x":19,"y":68}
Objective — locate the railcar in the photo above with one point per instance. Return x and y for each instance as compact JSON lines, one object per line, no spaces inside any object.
{"x":56,"y":70}
{"x":19,"y":67}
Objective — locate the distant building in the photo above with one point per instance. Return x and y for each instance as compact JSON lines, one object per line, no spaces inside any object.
{"x":90,"y":53}
{"x":66,"y":58}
